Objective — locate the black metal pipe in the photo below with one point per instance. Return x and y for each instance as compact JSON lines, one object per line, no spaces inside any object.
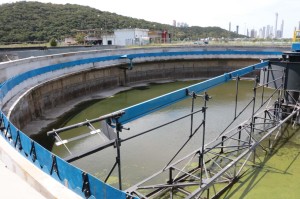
{"x":253,"y":110}
{"x":236,"y":94}
{"x":170,"y":176}
{"x":118,"y":143}
{"x":157,"y":127}
{"x":236,"y":118}
{"x":266,"y":84}
{"x":222,"y":144}
{"x":203,"y":135}
{"x":239,"y":134}
{"x":78,"y":156}
{"x":110,"y":172}
{"x":183,"y":146}
{"x":263,"y":88}
{"x":192,"y":116}
{"x":104,"y":117}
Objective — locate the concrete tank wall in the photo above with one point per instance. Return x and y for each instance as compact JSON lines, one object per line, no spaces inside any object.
{"x":48,"y":95}
{"x":7,"y":54}
{"x":182,"y":69}
{"x":35,"y":103}
{"x":13,"y":68}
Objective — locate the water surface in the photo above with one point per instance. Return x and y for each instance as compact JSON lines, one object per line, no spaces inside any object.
{"x":145,"y":155}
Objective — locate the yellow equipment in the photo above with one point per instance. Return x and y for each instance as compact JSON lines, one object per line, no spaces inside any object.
{"x":296,"y":37}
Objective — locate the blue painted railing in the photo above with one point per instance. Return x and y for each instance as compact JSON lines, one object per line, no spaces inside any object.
{"x":183,"y":53}
{"x":63,"y":171}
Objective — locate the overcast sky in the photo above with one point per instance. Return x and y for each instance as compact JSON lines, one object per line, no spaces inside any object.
{"x":247,"y":14}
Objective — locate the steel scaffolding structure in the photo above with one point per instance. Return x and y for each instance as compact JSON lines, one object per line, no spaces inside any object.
{"x":222,"y":161}
{"x":208,"y":171}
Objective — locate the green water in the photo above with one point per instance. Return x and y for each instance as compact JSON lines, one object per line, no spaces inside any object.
{"x":275,"y":175}
{"x":145,"y":155}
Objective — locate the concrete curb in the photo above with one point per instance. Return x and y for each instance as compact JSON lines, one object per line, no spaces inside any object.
{"x":33,"y":176}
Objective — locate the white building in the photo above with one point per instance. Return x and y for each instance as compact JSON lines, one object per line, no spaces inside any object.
{"x":70,"y":41}
{"x":108,"y":40}
{"x":127,"y":37}
{"x":121,"y":37}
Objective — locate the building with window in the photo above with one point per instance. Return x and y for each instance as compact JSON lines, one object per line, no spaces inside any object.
{"x":108,"y":39}
{"x":121,"y":37}
{"x":128,"y":37}
{"x":158,"y":36}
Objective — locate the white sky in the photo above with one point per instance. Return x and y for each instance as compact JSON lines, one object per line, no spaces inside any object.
{"x":247,"y":14}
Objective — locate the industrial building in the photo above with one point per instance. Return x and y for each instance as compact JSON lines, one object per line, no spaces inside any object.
{"x":120,"y":37}
{"x":128,"y":37}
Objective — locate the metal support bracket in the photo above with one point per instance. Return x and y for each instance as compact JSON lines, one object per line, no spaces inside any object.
{"x":54,"y":166}
{"x":7,"y":133}
{"x":130,"y":64}
{"x":2,"y":127}
{"x":32,"y":152}
{"x":222,"y":144}
{"x":192,"y":94}
{"x":171,"y":180}
{"x":18,"y":140}
{"x":86,"y":185}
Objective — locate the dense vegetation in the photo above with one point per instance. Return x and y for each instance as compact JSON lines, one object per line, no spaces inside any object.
{"x":34,"y":21}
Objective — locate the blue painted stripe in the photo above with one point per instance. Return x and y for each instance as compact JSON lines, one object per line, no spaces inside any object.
{"x":139,"y":110}
{"x":14,"y":81}
{"x":180,"y":53}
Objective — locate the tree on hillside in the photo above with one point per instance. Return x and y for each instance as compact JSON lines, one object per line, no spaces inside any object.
{"x":34,"y":21}
{"x":53,"y":42}
{"x":79,"y":38}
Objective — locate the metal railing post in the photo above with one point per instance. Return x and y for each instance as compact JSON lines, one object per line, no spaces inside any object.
{"x":118,"y":144}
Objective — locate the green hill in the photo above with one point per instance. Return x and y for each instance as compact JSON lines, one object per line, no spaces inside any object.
{"x":34,"y":21}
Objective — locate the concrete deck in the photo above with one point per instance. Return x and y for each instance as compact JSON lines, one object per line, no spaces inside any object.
{"x":19,"y":178}
{"x":14,"y":187}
